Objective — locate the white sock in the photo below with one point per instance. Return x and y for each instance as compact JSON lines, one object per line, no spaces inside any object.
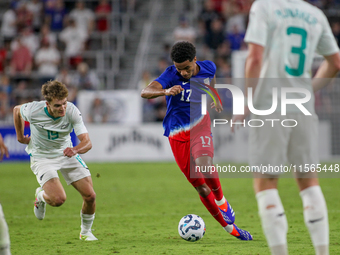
{"x":4,"y":235}
{"x":86,"y":222}
{"x":316,"y":218}
{"x":274,"y":221}
{"x":40,"y":196}
{"x":220,"y":202}
{"x":229,"y":228}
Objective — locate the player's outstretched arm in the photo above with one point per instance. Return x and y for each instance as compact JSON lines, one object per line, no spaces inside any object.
{"x":3,"y":149}
{"x":84,"y":146}
{"x":155,"y":89}
{"x":19,"y":125}
{"x":328,"y":69}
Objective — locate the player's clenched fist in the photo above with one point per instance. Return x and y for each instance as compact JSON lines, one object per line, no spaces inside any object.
{"x":173,"y":91}
{"x":70,"y":152}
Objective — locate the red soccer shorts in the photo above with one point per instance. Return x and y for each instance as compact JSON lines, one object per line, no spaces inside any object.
{"x":185,"y":153}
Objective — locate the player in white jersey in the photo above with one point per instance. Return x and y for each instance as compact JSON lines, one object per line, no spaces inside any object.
{"x":4,"y":235}
{"x":283,"y":36}
{"x":51,"y":150}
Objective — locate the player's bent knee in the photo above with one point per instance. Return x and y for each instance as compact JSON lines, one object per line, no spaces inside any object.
{"x":58,"y":201}
{"x":90,"y":198}
{"x":203,"y":190}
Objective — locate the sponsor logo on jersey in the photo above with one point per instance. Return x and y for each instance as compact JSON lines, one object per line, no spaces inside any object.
{"x":65,"y":126}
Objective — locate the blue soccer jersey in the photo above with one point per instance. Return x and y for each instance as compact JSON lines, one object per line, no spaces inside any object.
{"x":184,"y":109}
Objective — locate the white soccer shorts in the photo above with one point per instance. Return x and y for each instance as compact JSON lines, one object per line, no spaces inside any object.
{"x":72,"y":169}
{"x":279,"y":145}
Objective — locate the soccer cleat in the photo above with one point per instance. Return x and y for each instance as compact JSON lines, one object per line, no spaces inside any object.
{"x":241,"y":234}
{"x":227,"y":212}
{"x":39,"y":206}
{"x":87,"y":237}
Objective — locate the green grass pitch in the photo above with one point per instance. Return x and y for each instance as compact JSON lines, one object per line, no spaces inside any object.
{"x":138,"y":208}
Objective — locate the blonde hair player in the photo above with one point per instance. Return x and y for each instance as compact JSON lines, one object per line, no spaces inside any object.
{"x":51,"y":150}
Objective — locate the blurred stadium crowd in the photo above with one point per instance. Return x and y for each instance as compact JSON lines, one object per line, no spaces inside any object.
{"x":47,"y":39}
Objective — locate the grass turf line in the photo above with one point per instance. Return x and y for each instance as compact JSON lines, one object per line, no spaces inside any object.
{"x":138,"y":208}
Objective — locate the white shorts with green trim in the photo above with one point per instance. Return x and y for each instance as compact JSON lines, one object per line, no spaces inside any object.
{"x":72,"y":169}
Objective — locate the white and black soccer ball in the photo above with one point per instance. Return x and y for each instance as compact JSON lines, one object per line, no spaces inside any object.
{"x":191,"y":228}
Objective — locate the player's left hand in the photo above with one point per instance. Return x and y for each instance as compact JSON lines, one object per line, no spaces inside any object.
{"x":3,"y":151}
{"x":218,"y":107}
{"x":70,"y":152}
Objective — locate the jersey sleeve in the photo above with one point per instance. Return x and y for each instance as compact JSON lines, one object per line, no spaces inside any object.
{"x":327,"y":44}
{"x":165,"y":78}
{"x":26,"y":111}
{"x":257,"y":31}
{"x":77,"y":121}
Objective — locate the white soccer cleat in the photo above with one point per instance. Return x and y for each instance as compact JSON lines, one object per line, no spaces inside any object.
{"x":87,"y":237}
{"x":39,"y":206}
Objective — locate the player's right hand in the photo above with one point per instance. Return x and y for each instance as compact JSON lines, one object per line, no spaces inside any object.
{"x":173,"y":91}
{"x":25,"y":140}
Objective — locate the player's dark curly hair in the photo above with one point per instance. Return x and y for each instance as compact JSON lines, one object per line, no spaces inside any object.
{"x":183,"y":51}
{"x":54,"y":89}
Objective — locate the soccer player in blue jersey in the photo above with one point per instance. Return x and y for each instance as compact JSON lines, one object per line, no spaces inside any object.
{"x":189,"y":131}
{"x":4,"y":235}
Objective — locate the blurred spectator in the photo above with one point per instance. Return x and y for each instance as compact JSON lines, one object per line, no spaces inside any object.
{"x":336,"y":31}
{"x":235,"y":38}
{"x":223,"y":70}
{"x":45,"y":34}
{"x":4,"y":105}
{"x":24,"y":16}
{"x":218,"y":5}
{"x":103,"y":11}
{"x":162,"y":65}
{"x":85,"y":78}
{"x":9,"y":25}
{"x":184,"y":32}
{"x":83,"y":17}
{"x":3,"y":57}
{"x":66,"y":78}
{"x":5,"y":96}
{"x":6,"y":87}
{"x":166,"y":53}
{"x":55,"y":16}
{"x":74,"y":40}
{"x":215,"y":37}
{"x":145,"y":81}
{"x":207,"y":15}
{"x":29,"y":39}
{"x":21,"y":61}
{"x":47,"y":60}
{"x":237,"y":19}
{"x":99,"y":111}
{"x":36,"y":8}
{"x":22,"y":93}
{"x":14,"y":4}
{"x":127,"y":5}
{"x":224,"y":50}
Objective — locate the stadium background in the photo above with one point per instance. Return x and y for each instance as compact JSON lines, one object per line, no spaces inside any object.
{"x":120,"y":57}
{"x":124,"y":50}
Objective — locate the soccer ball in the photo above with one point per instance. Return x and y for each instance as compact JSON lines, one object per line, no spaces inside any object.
{"x":191,"y":228}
